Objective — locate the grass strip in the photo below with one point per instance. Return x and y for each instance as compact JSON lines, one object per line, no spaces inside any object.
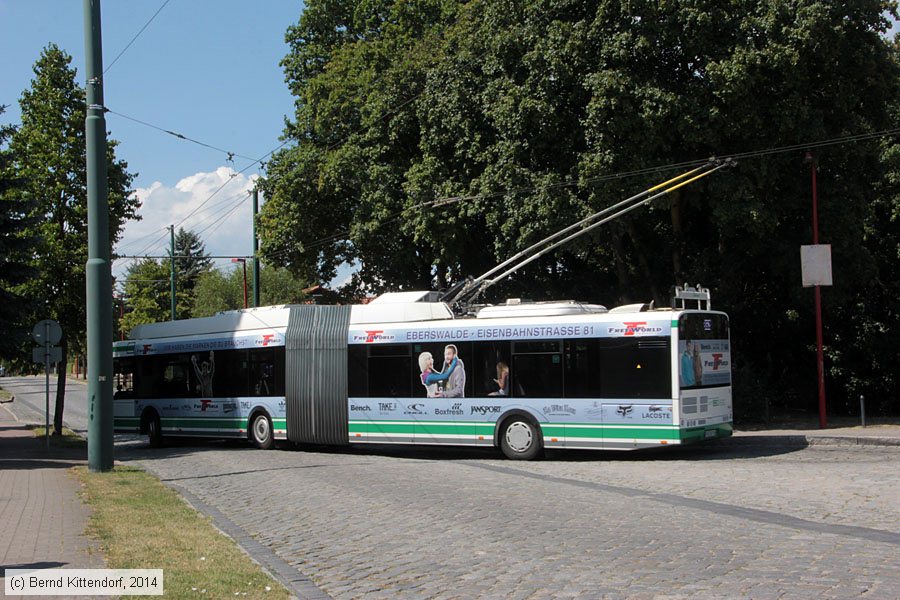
{"x":68,"y":439}
{"x":142,"y":524}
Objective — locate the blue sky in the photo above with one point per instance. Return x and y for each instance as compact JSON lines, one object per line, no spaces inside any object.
{"x":206,"y":69}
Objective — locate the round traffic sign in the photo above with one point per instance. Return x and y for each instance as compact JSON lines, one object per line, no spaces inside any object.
{"x":47,"y":331}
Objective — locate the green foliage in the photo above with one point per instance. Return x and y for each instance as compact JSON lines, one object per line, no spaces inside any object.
{"x":217,"y":291}
{"x":191,"y":262}
{"x":147,"y":293}
{"x":525,"y":110}
{"x":15,"y":250}
{"x":49,"y":160}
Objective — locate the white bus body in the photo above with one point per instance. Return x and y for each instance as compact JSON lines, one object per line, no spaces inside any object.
{"x":525,"y":376}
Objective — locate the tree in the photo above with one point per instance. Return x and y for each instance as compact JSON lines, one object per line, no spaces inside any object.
{"x":217,"y":291}
{"x":147,"y":294}
{"x":15,"y":249}
{"x":433,"y":140}
{"x":191,"y":262}
{"x":49,"y":159}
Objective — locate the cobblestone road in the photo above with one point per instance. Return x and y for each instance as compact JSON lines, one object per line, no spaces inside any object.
{"x":723,"y":522}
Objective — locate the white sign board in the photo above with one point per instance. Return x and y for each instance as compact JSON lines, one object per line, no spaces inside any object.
{"x":815,"y":265}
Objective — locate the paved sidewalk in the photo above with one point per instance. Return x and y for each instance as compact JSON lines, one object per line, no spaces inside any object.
{"x":43,"y":519}
{"x":806,"y":434}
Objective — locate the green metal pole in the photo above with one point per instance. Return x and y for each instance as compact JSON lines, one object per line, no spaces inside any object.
{"x":255,"y":250}
{"x":172,"y":266}
{"x":98,"y":273}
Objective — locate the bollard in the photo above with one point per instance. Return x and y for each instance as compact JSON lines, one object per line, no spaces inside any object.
{"x":862,"y":409}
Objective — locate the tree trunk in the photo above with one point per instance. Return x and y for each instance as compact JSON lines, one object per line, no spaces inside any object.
{"x":621,"y":270}
{"x":677,"y":231}
{"x":643,"y":263}
{"x":60,"y":387}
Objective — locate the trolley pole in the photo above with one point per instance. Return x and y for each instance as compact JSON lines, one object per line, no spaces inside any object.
{"x":98,"y":270}
{"x":255,"y":249}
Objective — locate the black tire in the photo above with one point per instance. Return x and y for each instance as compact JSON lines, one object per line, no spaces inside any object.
{"x":520,"y":439}
{"x":261,"y":433}
{"x":154,"y":430}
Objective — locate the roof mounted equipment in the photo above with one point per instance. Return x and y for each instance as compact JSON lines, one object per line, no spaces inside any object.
{"x":687,"y":293}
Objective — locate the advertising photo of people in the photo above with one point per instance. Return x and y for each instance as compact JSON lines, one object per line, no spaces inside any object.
{"x":690,"y":365}
{"x":449,"y":381}
{"x":205,"y":371}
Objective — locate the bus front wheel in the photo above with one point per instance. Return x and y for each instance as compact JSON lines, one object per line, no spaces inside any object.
{"x":520,"y":439}
{"x":261,"y":432}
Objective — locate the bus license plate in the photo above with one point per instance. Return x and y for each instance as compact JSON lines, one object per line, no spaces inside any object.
{"x":709,"y":433}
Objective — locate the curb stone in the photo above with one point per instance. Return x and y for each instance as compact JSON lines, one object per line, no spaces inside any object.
{"x":298,"y":584}
{"x":802,"y":441}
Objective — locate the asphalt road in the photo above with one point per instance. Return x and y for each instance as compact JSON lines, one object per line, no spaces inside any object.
{"x":30,"y":402}
{"x":721,"y":521}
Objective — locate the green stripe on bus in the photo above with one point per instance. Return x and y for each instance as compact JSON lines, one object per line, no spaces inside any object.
{"x":636,"y":432}
{"x":462,"y":428}
{"x":696,"y":434}
{"x":550,"y":431}
{"x":197,"y":422}
{"x":204,"y":423}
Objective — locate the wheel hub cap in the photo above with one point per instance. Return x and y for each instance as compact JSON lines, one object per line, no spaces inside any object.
{"x":519,"y":437}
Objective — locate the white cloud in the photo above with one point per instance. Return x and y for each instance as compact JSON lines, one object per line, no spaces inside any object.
{"x":223,"y":220}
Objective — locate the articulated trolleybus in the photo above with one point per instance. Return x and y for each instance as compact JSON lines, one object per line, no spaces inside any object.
{"x":522,"y":376}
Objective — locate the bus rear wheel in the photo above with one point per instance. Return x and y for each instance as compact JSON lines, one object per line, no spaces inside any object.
{"x":154,"y":430}
{"x":261,"y":432}
{"x":520,"y":439}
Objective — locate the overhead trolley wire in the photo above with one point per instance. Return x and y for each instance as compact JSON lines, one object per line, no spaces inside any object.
{"x":229,"y":154}
{"x":221,"y":187}
{"x":221,"y":219}
{"x":136,"y":36}
{"x":158,"y":240}
{"x":143,"y":237}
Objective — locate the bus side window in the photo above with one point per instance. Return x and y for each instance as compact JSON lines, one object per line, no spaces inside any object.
{"x":177,"y":379}
{"x":389,"y":369}
{"x":490,"y":367}
{"x":537,"y":369}
{"x":124,"y":378}
{"x":582,"y":371}
{"x":262,"y":372}
{"x":357,"y":372}
{"x":635,"y":368}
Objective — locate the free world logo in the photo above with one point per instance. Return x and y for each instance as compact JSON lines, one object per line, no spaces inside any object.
{"x":632,"y":328}
{"x":265,"y":340}
{"x":376,"y":335}
{"x":717,"y":361}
